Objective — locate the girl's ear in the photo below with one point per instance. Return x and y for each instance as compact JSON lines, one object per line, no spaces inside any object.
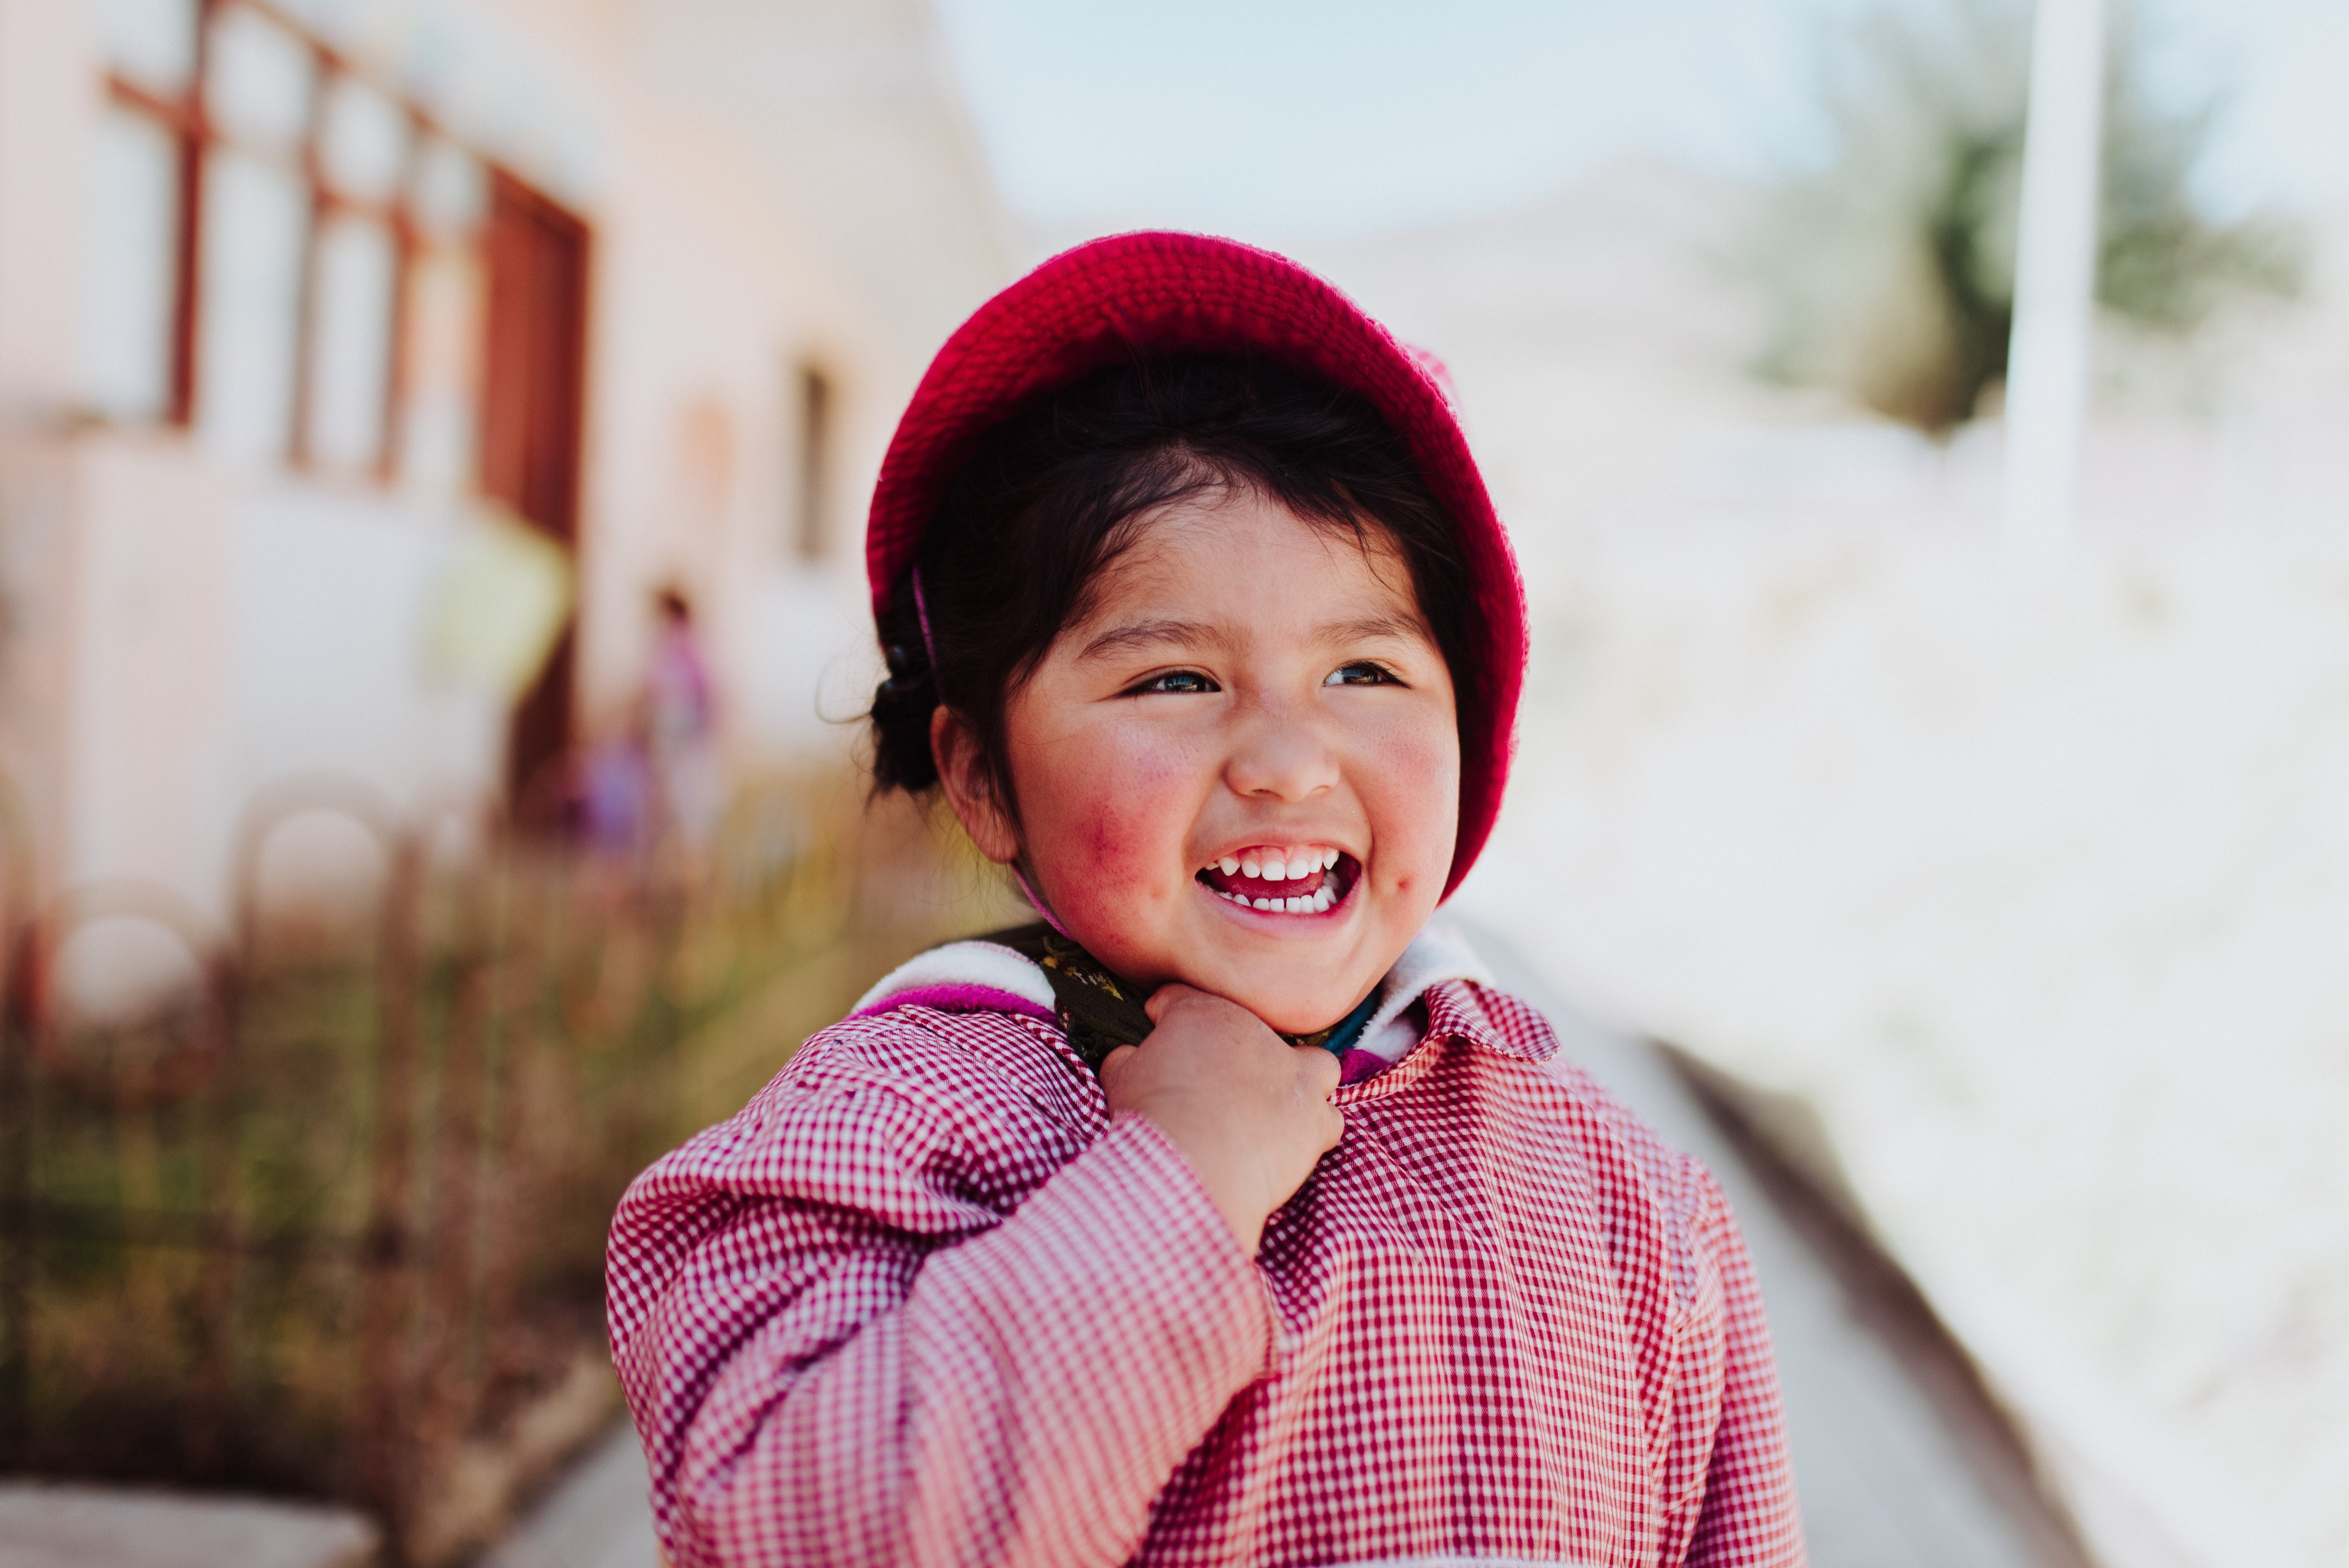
{"x":969,"y":785}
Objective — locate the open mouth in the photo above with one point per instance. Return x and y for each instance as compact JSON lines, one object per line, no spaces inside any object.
{"x":1283,"y":878}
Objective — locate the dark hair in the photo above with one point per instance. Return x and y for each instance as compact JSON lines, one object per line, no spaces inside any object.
{"x":1055,"y":492}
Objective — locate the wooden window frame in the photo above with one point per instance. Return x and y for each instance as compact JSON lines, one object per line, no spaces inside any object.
{"x":535,"y":257}
{"x":815,"y":394}
{"x":196,"y":134}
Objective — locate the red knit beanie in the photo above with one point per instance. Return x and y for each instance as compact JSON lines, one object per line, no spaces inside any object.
{"x":1113,"y":299}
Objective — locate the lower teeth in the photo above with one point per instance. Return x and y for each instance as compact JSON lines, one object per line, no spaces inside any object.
{"x":1310,"y":903}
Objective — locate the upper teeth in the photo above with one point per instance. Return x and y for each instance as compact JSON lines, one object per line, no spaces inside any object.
{"x":1288,"y":866}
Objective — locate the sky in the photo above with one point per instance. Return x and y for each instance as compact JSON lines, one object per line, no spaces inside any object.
{"x":1354,"y":116}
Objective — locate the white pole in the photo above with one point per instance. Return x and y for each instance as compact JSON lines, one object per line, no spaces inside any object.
{"x":2054,"y":287}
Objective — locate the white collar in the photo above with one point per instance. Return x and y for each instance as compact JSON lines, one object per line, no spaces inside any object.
{"x":983,"y":976}
{"x":1437,"y":954}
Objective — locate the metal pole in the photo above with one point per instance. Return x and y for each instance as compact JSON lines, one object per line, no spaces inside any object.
{"x":2054,"y":287}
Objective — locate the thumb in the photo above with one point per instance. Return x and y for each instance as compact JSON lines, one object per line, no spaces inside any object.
{"x":1165,"y":996}
{"x":1113,"y":1067}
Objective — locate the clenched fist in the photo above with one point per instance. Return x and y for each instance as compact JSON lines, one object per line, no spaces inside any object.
{"x":1249,"y":1112}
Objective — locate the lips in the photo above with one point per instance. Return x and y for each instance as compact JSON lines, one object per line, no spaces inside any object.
{"x":1283,"y":880}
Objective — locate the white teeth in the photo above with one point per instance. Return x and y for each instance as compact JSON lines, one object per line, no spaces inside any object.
{"x":1292,"y":865}
{"x":1313,"y":902}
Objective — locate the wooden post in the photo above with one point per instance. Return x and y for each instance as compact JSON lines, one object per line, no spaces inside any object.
{"x":387,"y":1256}
{"x":16,"y":1203}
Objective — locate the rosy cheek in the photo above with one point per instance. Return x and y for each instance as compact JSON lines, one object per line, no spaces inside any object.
{"x":1124,"y":810}
{"x":1416,"y":784}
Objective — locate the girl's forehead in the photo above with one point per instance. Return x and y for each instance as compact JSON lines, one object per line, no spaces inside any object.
{"x":1246,"y":572}
{"x":1222,"y":538}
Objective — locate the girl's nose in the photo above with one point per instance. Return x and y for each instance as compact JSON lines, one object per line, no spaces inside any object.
{"x":1282,"y":757}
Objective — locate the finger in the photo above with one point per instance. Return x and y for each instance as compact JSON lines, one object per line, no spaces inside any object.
{"x":1321,"y":1070}
{"x":1113,"y":1068}
{"x":1333,"y":1128}
{"x":1165,"y":996}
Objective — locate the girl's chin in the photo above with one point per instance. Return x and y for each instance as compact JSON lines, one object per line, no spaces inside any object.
{"x":1274,"y":998}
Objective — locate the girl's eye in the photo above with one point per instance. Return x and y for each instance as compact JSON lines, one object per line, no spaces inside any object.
{"x":1180,"y":683}
{"x":1361,"y":672}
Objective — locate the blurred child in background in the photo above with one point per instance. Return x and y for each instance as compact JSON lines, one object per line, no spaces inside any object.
{"x":678,"y":718}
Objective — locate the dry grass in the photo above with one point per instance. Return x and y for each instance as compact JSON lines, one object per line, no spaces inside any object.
{"x":359,"y":1254}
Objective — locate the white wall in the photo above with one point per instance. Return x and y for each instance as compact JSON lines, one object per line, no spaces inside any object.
{"x":766,"y":184}
{"x":335,"y":595}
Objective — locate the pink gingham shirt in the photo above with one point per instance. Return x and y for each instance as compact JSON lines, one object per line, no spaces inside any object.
{"x":925,"y":1300}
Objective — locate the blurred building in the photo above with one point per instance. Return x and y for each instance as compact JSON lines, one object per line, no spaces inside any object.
{"x":368,"y":366}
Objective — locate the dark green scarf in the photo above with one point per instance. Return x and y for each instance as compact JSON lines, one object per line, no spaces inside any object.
{"x":1099,"y":1012}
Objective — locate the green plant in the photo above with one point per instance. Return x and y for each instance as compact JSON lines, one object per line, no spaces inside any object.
{"x":334,"y":1225}
{"x":1889,"y":269}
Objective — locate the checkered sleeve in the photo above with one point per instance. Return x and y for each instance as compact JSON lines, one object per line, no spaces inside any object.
{"x":1750,"y":1518}
{"x":848,"y":1337}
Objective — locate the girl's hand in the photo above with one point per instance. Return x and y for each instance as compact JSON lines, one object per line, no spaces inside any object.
{"x":1249,"y":1110}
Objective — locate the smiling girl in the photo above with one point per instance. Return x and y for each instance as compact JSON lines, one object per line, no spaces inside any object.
{"x":1228,"y":1216}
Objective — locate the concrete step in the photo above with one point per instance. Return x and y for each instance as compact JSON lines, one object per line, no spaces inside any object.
{"x":596,"y":1516}
{"x":73,"y":1524}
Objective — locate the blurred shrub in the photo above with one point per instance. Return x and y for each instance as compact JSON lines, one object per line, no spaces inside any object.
{"x":1890,"y":268}
{"x":330,"y":1219}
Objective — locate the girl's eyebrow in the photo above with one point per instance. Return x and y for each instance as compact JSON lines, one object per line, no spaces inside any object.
{"x":1368,"y":627}
{"x":1193,"y":636}
{"x":1156,"y":633}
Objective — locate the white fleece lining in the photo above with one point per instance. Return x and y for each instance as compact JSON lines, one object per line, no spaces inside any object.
{"x":1437,"y":954}
{"x":963,"y":964}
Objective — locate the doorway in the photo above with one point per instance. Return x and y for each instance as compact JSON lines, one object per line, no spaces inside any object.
{"x":534,"y":407}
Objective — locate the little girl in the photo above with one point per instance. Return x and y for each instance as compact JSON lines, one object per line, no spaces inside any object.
{"x":1228,"y":1216}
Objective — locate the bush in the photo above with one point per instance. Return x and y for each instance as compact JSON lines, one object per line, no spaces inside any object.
{"x":1890,"y":268}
